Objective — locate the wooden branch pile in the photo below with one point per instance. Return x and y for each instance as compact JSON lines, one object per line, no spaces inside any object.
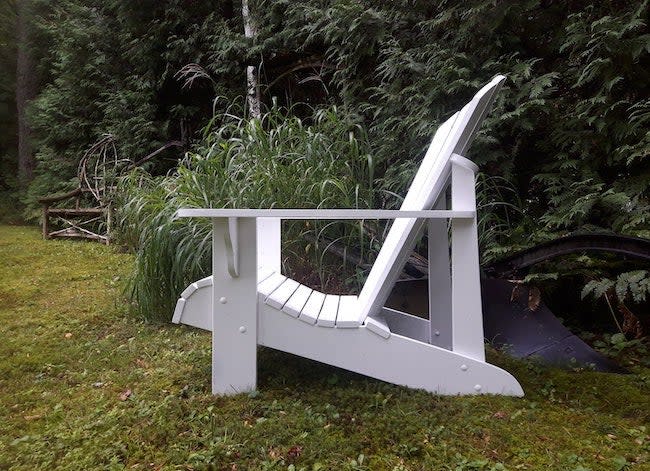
{"x":85,"y":212}
{"x":80,"y":222}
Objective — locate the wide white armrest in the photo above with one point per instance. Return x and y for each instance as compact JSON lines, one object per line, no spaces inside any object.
{"x":333,"y":214}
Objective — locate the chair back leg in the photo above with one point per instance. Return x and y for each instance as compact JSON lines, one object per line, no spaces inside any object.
{"x":440,"y":324}
{"x":466,"y":308}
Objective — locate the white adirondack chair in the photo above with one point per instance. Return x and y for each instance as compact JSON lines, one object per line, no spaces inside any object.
{"x":248,"y":302}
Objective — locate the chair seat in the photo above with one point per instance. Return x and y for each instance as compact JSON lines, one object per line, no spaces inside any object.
{"x":306,"y":304}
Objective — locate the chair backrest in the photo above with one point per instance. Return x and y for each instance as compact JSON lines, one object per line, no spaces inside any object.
{"x":453,"y":137}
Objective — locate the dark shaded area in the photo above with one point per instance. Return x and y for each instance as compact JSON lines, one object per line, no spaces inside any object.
{"x":511,"y":326}
{"x":632,"y":247}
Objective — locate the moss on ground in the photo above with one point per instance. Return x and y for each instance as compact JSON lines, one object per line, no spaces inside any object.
{"x":69,"y":354}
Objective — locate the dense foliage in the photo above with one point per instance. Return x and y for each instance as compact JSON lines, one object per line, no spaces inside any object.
{"x":8,"y":141}
{"x":110,"y":69}
{"x":275,"y":162}
{"x":565,"y":150}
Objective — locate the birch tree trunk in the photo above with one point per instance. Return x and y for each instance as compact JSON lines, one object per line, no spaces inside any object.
{"x":252,"y":81}
{"x":26,"y":84}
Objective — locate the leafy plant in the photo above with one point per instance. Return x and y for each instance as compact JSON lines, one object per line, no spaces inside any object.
{"x":634,"y":285}
{"x":278,"y":161}
{"x":618,"y":346}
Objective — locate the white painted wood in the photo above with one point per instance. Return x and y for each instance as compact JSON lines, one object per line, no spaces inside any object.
{"x":440,"y":325}
{"x":406,"y":325}
{"x":377,"y":325}
{"x":457,"y":159}
{"x":281,"y":295}
{"x":348,"y":313}
{"x":398,"y":359}
{"x":432,"y":173}
{"x":311,"y":311}
{"x":263,"y":273}
{"x":297,"y":301}
{"x":404,"y":233}
{"x":321,"y":213}
{"x":452,"y":137}
{"x":187,"y":292}
{"x":270,"y":243}
{"x":327,"y":316}
{"x":485,"y":97}
{"x":231,"y":240}
{"x":207,"y":281}
{"x":234,"y":312}
{"x":178,"y":311}
{"x":196,"y":310}
{"x":266,"y":287}
{"x":467,"y":316}
{"x":240,"y":320}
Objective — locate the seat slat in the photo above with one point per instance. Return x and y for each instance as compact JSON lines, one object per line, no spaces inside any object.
{"x":279,"y":297}
{"x":327,"y":316}
{"x":297,"y":301}
{"x":207,"y":281}
{"x":311,"y":310}
{"x":266,"y":287}
{"x":377,"y":325}
{"x":348,"y":313}
{"x":188,"y":291}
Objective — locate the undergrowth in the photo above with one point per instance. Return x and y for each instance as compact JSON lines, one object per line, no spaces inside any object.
{"x":84,"y":386}
{"x":279,"y":161}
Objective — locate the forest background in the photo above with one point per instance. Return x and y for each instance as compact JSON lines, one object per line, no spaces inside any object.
{"x":359,"y":87}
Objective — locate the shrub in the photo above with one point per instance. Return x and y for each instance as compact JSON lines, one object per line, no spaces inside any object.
{"x":278,"y":161}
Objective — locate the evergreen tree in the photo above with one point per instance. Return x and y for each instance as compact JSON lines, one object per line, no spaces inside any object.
{"x":569,"y":134}
{"x":26,"y":88}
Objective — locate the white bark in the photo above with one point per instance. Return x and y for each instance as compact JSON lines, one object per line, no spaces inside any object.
{"x":252,"y":82}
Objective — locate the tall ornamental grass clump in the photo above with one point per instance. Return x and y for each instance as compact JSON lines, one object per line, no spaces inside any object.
{"x":278,"y":161}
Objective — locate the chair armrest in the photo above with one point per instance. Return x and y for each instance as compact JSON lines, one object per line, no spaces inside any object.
{"x":333,"y":214}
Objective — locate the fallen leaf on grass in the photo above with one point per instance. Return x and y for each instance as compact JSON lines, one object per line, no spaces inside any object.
{"x":125,"y":395}
{"x":32,"y":417}
{"x":294,"y":452}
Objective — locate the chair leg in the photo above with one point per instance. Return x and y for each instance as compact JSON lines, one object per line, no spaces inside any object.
{"x":440,"y":322}
{"x":269,"y":250}
{"x":234,"y":310}
{"x":467,"y":312}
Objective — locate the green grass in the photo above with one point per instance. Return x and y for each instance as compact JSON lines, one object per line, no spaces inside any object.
{"x":68,"y":350}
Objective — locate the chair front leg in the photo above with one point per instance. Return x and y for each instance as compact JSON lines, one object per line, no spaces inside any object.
{"x":234,"y":305}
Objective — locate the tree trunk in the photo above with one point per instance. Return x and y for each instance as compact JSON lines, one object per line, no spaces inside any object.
{"x":26,"y":84}
{"x":252,"y":82}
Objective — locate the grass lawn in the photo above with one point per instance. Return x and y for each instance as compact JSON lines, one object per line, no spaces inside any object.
{"x":85,"y":386}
